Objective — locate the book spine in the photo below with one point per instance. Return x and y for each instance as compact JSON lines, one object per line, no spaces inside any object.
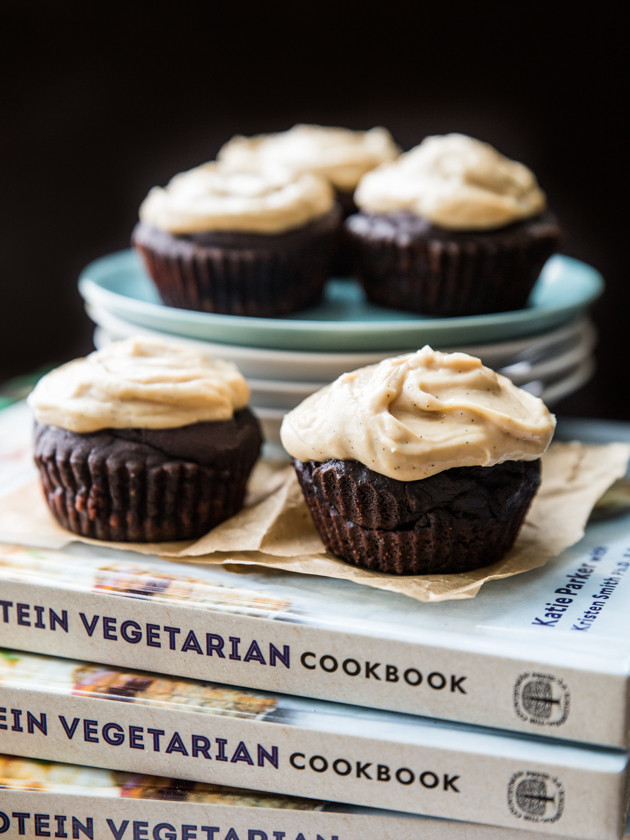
{"x":313,"y":756}
{"x":285,"y":656}
{"x":25,"y":813}
{"x":31,"y":814}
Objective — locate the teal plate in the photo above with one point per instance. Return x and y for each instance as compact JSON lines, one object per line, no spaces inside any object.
{"x":344,"y":320}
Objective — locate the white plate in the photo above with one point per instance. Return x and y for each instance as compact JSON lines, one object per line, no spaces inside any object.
{"x":270,"y":421}
{"x":343,"y":321}
{"x":318,"y":367}
{"x":553,"y":392}
{"x":275,"y":393}
{"x":286,"y":394}
{"x":554,"y":359}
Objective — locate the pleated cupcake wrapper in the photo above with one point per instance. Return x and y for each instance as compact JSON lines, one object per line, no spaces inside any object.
{"x":251,"y":283}
{"x":138,"y":502}
{"x":360,"y":533}
{"x":266,"y":281}
{"x":451,"y":278}
{"x":363,"y":504}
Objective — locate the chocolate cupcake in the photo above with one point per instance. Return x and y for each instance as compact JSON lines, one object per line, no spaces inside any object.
{"x":423,"y":464}
{"x":144,"y":441}
{"x":451,"y":228}
{"x":340,"y":155}
{"x":238,"y":242}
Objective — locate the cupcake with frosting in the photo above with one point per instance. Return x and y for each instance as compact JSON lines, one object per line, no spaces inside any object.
{"x":452,"y":227}
{"x":144,"y":441}
{"x":424,"y":463}
{"x":237,"y":242}
{"x":340,"y":155}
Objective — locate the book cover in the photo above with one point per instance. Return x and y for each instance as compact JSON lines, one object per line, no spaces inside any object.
{"x":48,"y":799}
{"x":546,"y":653}
{"x":70,"y":711}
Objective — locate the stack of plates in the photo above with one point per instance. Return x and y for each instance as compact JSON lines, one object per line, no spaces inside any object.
{"x":546,"y":347}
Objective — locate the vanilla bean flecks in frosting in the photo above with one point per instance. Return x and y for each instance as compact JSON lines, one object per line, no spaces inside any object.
{"x":455,"y":182}
{"x":141,"y":384}
{"x":212,"y":198}
{"x":416,"y":415}
{"x":341,"y":155}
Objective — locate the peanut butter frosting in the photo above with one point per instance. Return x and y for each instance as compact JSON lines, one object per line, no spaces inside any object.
{"x":211,"y":197}
{"x":455,"y":182}
{"x":138,"y":384}
{"x":341,"y":155}
{"x":416,"y":415}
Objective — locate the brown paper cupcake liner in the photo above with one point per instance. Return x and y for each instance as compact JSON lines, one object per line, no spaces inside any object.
{"x":241,"y":274}
{"x":95,"y":492}
{"x":406,"y":263}
{"x":455,"y":521}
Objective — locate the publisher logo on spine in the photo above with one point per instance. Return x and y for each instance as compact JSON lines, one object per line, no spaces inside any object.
{"x":537,"y":797}
{"x":541,"y":699}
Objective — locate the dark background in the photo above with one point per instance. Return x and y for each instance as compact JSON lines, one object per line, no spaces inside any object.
{"x":102,"y":101}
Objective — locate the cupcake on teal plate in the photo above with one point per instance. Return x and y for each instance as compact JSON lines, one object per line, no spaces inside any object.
{"x":451,"y":228}
{"x":340,"y":155}
{"x":239,"y":242}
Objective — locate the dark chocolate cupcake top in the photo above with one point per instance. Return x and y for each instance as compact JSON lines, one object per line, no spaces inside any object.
{"x":456,"y":182}
{"x":416,"y":415}
{"x":139,"y":384}
{"x":213,"y":197}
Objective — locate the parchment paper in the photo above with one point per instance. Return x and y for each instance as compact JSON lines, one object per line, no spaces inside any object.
{"x":275,"y":528}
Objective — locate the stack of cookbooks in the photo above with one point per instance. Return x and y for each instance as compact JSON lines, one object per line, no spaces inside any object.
{"x":143,"y":699}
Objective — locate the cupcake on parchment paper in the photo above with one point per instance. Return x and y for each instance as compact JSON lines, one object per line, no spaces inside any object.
{"x":423,"y":464}
{"x":144,"y":441}
{"x":452,"y":228}
{"x":237,"y":242}
{"x":340,"y":155}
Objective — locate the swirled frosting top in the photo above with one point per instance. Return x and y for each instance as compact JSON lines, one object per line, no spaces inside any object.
{"x":138,"y":384}
{"x":338,"y":154}
{"x":455,"y":182}
{"x":416,"y":415}
{"x":211,"y":197}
